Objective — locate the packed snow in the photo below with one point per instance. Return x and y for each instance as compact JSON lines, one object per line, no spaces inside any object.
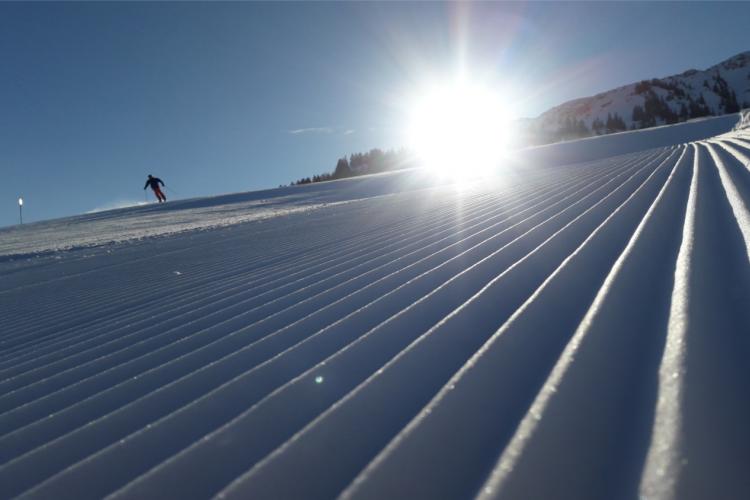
{"x":145,"y":220}
{"x":574,"y":327}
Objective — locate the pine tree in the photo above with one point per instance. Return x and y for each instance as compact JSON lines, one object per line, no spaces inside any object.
{"x":597,"y":126}
{"x":683,"y":112}
{"x":342,"y":169}
{"x":638,"y":114}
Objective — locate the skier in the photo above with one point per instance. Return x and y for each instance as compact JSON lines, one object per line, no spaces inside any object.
{"x":154,"y":183}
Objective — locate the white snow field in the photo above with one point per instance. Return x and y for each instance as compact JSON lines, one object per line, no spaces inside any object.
{"x":576,"y":331}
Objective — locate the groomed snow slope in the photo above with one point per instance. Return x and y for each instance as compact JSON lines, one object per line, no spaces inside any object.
{"x":577,"y":331}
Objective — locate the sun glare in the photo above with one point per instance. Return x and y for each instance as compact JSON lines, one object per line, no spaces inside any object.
{"x":460,"y":130}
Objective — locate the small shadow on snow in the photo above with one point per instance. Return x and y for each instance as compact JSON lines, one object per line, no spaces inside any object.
{"x":117,"y":204}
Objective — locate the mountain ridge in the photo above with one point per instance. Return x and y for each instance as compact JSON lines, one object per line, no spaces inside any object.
{"x":720,"y":89}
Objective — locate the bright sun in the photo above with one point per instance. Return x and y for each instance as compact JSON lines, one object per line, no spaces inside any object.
{"x":459,"y":130}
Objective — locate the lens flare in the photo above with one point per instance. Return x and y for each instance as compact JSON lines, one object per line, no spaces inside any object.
{"x":460,"y":130}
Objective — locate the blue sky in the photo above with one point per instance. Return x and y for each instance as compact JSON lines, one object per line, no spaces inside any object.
{"x":227,"y":97}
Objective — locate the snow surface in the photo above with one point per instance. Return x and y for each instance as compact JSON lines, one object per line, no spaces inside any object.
{"x":559,"y":331}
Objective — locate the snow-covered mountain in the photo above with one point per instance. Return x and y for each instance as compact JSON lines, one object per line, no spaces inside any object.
{"x":554,"y":332}
{"x":720,"y":89}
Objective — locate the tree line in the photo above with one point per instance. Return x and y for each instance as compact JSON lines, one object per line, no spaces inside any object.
{"x":374,"y":161}
{"x":655,"y":110}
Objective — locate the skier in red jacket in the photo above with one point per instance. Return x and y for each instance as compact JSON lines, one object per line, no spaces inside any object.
{"x":154,"y":183}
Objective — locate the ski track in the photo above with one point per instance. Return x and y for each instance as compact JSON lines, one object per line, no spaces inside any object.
{"x":577,"y":331}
